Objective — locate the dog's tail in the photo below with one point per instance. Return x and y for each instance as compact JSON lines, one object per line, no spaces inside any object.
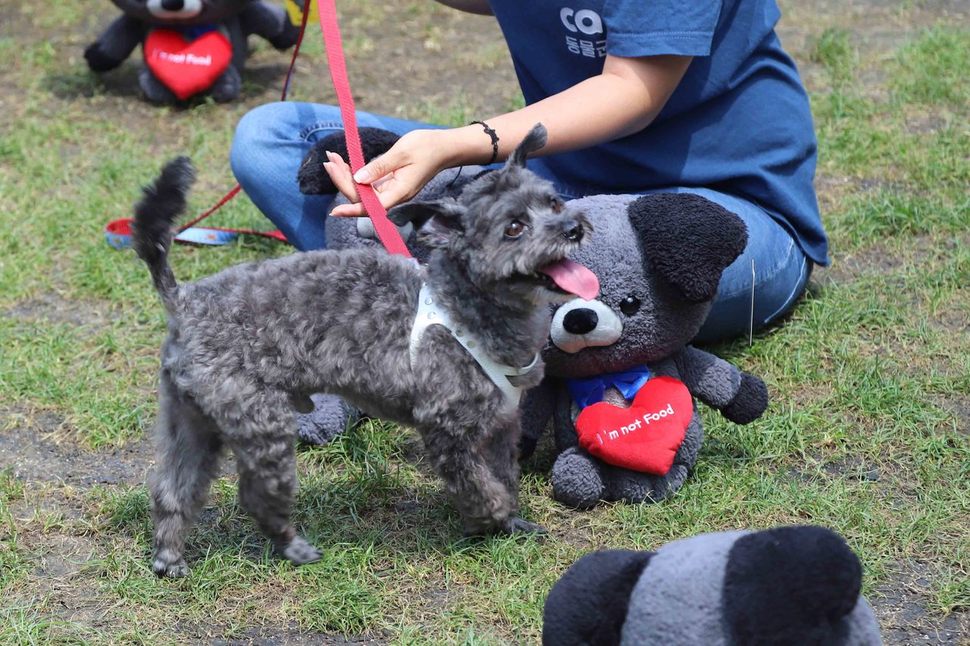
{"x":161,"y":204}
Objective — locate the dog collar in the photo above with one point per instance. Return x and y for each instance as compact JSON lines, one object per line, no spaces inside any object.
{"x":430,"y":314}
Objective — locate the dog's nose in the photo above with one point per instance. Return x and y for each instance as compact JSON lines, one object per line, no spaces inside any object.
{"x":580,"y":321}
{"x":573,"y":231}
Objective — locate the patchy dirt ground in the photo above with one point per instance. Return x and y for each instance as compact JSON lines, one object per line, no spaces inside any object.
{"x":414,"y":59}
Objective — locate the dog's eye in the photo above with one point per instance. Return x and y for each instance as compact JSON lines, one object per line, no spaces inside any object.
{"x":630,"y":305}
{"x":514,"y":229}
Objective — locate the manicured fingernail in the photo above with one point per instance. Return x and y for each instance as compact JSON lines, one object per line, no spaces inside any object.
{"x":330,"y":155}
{"x":362,"y":176}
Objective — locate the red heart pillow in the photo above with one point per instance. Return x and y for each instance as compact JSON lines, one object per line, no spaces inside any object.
{"x":644,"y":437}
{"x":187,"y":67}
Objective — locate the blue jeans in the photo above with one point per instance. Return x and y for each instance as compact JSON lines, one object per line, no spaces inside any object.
{"x":763,"y":283}
{"x":272,"y":140}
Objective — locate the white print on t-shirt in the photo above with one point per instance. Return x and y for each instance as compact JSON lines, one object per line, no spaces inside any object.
{"x":585,"y":22}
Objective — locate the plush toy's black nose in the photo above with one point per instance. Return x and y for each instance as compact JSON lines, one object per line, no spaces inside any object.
{"x":573,"y":231}
{"x":580,"y":321}
{"x":173,"y":5}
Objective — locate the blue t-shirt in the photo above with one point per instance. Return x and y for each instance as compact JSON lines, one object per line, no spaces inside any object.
{"x":739,"y":122}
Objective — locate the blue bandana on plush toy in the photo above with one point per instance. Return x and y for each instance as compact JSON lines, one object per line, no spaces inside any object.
{"x":586,"y":392}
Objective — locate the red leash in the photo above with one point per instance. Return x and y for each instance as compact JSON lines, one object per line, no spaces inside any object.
{"x":387,"y":233}
{"x":235,"y":189}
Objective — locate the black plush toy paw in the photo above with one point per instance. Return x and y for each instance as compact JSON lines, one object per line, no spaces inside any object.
{"x":750,"y":401}
{"x":154,"y":90}
{"x":99,"y":60}
{"x":577,"y":481}
{"x":227,"y":87}
{"x":313,"y":179}
{"x":287,"y":36}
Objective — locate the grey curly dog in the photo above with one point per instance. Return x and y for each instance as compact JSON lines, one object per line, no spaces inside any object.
{"x":247,"y":346}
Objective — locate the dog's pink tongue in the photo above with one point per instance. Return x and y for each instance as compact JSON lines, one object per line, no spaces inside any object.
{"x":573,"y":278}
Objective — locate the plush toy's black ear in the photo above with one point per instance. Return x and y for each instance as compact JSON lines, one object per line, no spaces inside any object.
{"x":688,"y":239}
{"x":436,"y":221}
{"x":313,"y":180}
{"x":790,"y":585}
{"x":588,"y":604}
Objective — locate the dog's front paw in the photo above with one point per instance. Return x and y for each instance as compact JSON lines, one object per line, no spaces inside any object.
{"x":516,"y":526}
{"x":511,"y":526}
{"x":167,"y":565}
{"x":300,"y":552}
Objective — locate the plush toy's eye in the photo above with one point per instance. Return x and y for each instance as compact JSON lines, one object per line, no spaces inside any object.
{"x":630,"y":305}
{"x":514,"y":229}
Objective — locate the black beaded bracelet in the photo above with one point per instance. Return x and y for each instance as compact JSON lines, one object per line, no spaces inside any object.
{"x":493,"y":136}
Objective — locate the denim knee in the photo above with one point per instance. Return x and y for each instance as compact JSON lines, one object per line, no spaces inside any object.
{"x":266,"y":154}
{"x":763,"y":283}
{"x":759,"y":287}
{"x":250,"y":136}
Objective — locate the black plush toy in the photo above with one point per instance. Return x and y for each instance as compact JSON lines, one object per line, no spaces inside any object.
{"x":190,"y":47}
{"x":786,"y":586}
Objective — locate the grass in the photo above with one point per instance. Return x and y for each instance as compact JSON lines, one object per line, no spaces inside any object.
{"x":931,"y":69}
{"x":867,"y":432}
{"x":12,"y":564}
{"x":833,"y":50}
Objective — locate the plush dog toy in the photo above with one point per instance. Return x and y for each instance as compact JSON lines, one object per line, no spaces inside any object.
{"x":783,"y":586}
{"x":190,"y":47}
{"x":621,"y":377}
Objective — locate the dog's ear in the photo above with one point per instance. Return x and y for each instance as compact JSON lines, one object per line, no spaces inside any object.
{"x":533,"y":142}
{"x":418,"y":213}
{"x":437,"y":221}
{"x":687,"y":239}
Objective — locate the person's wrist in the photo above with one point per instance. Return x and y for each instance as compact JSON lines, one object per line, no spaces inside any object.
{"x":492,"y":138}
{"x":466,"y":145}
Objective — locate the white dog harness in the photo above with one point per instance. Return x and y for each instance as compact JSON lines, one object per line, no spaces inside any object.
{"x":430,"y":314}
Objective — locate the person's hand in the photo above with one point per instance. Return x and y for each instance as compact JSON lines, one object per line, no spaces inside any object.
{"x":396,"y":176}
